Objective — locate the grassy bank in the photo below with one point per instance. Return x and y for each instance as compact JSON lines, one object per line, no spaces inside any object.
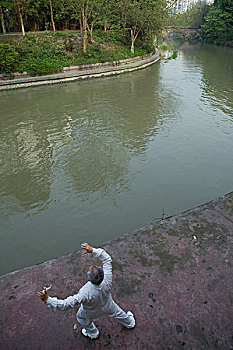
{"x":48,"y":52}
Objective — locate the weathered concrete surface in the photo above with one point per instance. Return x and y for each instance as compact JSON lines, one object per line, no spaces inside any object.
{"x":73,"y":75}
{"x":179,"y":288}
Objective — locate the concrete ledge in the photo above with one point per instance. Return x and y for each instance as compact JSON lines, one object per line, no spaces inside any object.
{"x":114,"y":63}
{"x":175,"y":275}
{"x":82,"y":72}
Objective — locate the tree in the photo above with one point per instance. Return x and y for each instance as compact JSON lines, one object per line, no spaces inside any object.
{"x":137,"y":19}
{"x":158,"y":18}
{"x":6,"y":6}
{"x":51,"y":14}
{"x":99,"y":12}
{"x":2,"y":20}
{"x":64,"y":12}
{"x":143,"y":17}
{"x":124,"y":9}
{"x":132,"y":18}
{"x":20,"y":12}
{"x":218,"y":23}
{"x":87,"y":12}
{"x":33,"y":13}
{"x":80,"y":11}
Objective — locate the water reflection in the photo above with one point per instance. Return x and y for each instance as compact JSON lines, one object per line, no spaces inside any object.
{"x":217,"y":78}
{"x":87,"y":133}
{"x":216,"y":74}
{"x":24,"y":165}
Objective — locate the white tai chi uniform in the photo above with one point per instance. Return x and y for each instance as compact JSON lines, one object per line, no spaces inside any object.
{"x":95,"y":300}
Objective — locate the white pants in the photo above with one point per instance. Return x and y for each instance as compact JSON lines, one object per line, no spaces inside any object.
{"x":114,"y":311}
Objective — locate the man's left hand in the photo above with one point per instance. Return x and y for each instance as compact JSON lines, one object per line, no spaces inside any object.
{"x":87,"y":247}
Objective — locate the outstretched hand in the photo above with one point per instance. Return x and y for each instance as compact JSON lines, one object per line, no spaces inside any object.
{"x":87,"y":247}
{"x":42,"y":295}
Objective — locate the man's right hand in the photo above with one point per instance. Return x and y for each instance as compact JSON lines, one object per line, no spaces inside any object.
{"x":42,"y":295}
{"x":87,"y":247}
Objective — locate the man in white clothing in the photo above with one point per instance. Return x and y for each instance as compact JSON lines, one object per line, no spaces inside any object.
{"x":95,"y":297}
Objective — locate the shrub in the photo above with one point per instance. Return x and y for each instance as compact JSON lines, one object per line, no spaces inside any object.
{"x":173,"y":56}
{"x":8,"y":59}
{"x":165,"y":47}
{"x":41,"y":66}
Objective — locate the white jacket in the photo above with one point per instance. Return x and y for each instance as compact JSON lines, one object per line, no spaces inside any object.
{"x":96,"y":300}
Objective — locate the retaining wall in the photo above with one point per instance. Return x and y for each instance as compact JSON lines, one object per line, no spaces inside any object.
{"x":74,"y":73}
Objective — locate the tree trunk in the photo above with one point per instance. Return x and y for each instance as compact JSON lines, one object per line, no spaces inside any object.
{"x":132,"y":46}
{"x":91,"y":31}
{"x":124,"y":19}
{"x":2,"y":21}
{"x":51,"y":12}
{"x":80,"y":25}
{"x":84,"y":27}
{"x":84,"y":40}
{"x":34,"y":26}
{"x":21,"y":16}
{"x":132,"y":41}
{"x":105,"y":25}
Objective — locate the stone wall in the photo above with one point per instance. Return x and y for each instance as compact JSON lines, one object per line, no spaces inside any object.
{"x":73,"y":73}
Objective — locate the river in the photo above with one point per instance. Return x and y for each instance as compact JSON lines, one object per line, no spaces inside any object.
{"x":92,"y":160}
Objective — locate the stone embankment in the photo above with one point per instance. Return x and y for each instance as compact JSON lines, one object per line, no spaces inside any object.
{"x":74,"y":73}
{"x":176,"y":276}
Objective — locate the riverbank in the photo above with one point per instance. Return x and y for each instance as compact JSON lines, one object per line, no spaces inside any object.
{"x":44,"y":53}
{"x":175,"y":275}
{"x":74,"y":73}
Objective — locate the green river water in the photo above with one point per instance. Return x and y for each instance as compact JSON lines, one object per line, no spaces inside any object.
{"x":92,"y":160}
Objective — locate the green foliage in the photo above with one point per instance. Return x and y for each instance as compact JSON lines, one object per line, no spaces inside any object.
{"x":193,"y":17}
{"x":165,"y":47}
{"x":47,"y":53}
{"x":110,"y":25}
{"x":196,"y":14}
{"x":173,"y":56}
{"x":40,"y":66}
{"x":8,"y":59}
{"x":215,"y":21}
{"x":218,"y":25}
{"x":129,"y":22}
{"x":112,"y":36}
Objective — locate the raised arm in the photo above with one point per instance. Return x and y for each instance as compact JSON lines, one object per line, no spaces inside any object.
{"x":105,"y":258}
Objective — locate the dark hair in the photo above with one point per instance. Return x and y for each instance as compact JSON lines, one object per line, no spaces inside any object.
{"x":96,"y":274}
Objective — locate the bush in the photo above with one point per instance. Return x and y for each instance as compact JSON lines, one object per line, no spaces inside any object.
{"x":173,"y":56}
{"x":8,"y":59}
{"x":165,"y":47}
{"x":41,"y":66}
